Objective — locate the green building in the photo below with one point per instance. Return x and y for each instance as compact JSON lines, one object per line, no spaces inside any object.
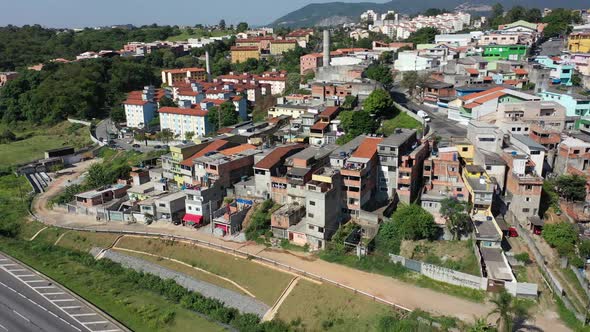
{"x":504,"y":52}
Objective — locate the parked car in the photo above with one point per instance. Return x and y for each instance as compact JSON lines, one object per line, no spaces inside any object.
{"x":136,"y":146}
{"x":512,"y":232}
{"x":157,"y":146}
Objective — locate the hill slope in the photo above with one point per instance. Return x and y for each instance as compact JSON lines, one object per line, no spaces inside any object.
{"x":317,"y":14}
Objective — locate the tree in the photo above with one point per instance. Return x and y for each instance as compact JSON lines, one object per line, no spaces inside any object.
{"x":167,"y":102}
{"x":533,"y":15}
{"x":379,"y":103}
{"x":576,"y":80}
{"x":456,"y":214}
{"x":497,"y":10}
{"x":221,"y":24}
{"x":561,"y":236}
{"x":97,"y":176}
{"x":423,"y":35}
{"x":388,"y":240}
{"x":480,"y":325}
{"x":165,"y":135}
{"x":584,"y":249}
{"x":189,"y":135}
{"x":434,"y":11}
{"x":292,"y":84}
{"x":380,"y":73}
{"x":571,"y":187}
{"x":349,"y":102}
{"x":387,"y":57}
{"x":414,"y":223}
{"x":509,"y":310}
{"x":118,"y":114}
{"x":559,"y":22}
{"x":241,"y":27}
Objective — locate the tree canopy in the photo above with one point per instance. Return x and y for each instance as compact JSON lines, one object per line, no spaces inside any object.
{"x":414,"y":223}
{"x":380,"y":73}
{"x":356,"y":123}
{"x":571,"y":187}
{"x":223,"y":116}
{"x":456,"y":213}
{"x":379,"y":103}
{"x":561,"y":236}
{"x":423,"y":35}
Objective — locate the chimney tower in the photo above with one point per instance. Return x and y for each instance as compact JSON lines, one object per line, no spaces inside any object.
{"x":326,"y":48}
{"x":207,"y":66}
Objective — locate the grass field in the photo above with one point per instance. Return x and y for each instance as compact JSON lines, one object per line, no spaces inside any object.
{"x":266,"y":284}
{"x":84,"y":241}
{"x":33,"y":142}
{"x":455,"y":255}
{"x":199,"y":33}
{"x":199,"y":275}
{"x":327,"y":307}
{"x":402,"y":120}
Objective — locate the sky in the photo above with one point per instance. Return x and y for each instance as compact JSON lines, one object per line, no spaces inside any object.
{"x":82,"y":13}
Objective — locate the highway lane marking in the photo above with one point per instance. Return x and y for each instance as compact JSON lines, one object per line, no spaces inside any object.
{"x":44,"y":287}
{"x":63,"y":300}
{"x":57,"y":293}
{"x":22,"y":275}
{"x":82,"y":315}
{"x":11,"y":264}
{"x":108,"y":330}
{"x":2,"y":327}
{"x":21,"y":316}
{"x":16,"y":270}
{"x":72,"y":307}
{"x":41,"y":280}
{"x":97,"y":322}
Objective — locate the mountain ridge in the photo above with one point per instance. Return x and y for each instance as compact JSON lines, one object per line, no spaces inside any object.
{"x":312,"y":14}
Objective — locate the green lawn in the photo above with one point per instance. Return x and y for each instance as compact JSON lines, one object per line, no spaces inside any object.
{"x":199,"y":33}
{"x":13,"y":202}
{"x":402,"y":120}
{"x":32,"y":143}
{"x":84,"y":241}
{"x":327,"y":307}
{"x":265,"y":283}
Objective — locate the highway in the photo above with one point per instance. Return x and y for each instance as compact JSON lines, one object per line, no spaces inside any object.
{"x":30,"y":302}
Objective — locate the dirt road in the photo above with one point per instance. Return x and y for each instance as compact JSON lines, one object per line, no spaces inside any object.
{"x":404,"y":294}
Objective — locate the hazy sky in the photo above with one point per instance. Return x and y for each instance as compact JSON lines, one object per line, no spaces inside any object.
{"x":80,"y":13}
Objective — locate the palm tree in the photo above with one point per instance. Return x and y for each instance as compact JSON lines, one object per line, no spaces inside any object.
{"x":509,"y":310}
{"x":481,"y":325}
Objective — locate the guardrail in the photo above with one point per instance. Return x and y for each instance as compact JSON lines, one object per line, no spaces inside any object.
{"x":234,"y":252}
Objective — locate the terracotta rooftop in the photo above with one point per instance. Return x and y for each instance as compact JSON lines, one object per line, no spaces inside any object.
{"x":213,"y":146}
{"x":194,"y":111}
{"x":368,"y":148}
{"x":238,"y":149}
{"x":277,"y":155}
{"x":330,"y":111}
{"x":482,"y":93}
{"x":320,"y":125}
{"x":520,"y":71}
{"x":472,"y":71}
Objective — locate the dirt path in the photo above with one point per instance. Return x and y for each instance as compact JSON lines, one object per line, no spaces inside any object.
{"x":396,"y":291}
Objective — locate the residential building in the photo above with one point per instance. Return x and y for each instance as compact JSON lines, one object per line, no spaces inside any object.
{"x":286,"y":216}
{"x":504,"y":52}
{"x":185,"y":119}
{"x":276,"y":79}
{"x":166,"y":206}
{"x":200,"y":204}
{"x":171,"y":162}
{"x":325,"y":130}
{"x":395,"y":171}
{"x":280,"y":46}
{"x":442,"y":179}
{"x":295,"y":111}
{"x":302,"y":36}
{"x":171,"y":76}
{"x":216,"y":168}
{"x":140,"y":107}
{"x":187,"y":167}
{"x":272,"y":166}
{"x":228,"y":219}
{"x":519,"y":117}
{"x":101,"y":196}
{"x":575,"y":104}
{"x":435,"y":91}
{"x":240,"y":54}
{"x":480,"y":187}
{"x":390,"y":47}
{"x":462,"y":39}
{"x":308,"y":63}
{"x":412,"y":61}
{"x":499,"y":39}
{"x":560,"y":72}
{"x":579,"y":42}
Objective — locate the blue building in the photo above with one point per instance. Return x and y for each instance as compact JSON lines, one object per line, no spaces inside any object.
{"x":574,"y":103}
{"x":561,"y":73}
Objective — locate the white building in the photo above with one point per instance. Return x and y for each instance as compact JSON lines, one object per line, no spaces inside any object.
{"x":140,"y":107}
{"x":369,"y":15}
{"x":412,"y":61}
{"x":184,"y":119}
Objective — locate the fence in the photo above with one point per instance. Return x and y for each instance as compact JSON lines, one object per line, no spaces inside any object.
{"x":551,"y":280}
{"x":85,"y":123}
{"x":414,"y":116}
{"x":441,"y":273}
{"x":238,"y":252}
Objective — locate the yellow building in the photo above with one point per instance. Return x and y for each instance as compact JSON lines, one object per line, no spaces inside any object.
{"x":239,"y":54}
{"x":579,"y":42}
{"x":278,"y":47}
{"x":171,"y":162}
{"x":480,"y":187}
{"x":171,"y":76}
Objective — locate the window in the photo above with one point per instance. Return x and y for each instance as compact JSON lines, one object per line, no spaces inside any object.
{"x":310,"y":215}
{"x":527,"y":199}
{"x":487,"y":139}
{"x":528,"y":187}
{"x":459,"y":189}
{"x":488,"y":168}
{"x":320,"y":229}
{"x":310,"y":227}
{"x":465,"y":149}
{"x":162,"y":205}
{"x":312,"y":203}
{"x":525,"y":210}
{"x":535,"y":152}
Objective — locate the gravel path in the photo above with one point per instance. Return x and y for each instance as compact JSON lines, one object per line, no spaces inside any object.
{"x":230,"y":298}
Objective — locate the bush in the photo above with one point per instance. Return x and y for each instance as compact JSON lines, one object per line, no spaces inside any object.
{"x":561,"y":236}
{"x":523,"y":257}
{"x":259,"y":221}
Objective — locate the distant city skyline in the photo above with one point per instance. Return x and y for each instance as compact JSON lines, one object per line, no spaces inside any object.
{"x":76,"y":13}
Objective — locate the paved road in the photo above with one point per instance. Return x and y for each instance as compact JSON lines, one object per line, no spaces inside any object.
{"x":30,"y":302}
{"x":107,"y":126}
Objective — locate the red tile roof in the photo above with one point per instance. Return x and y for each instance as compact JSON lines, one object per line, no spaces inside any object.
{"x":472,"y":71}
{"x":238,"y":149}
{"x":282,"y":41}
{"x":330,"y":111}
{"x":276,"y":155}
{"x":520,"y":71}
{"x":195,"y":111}
{"x":368,"y":148}
{"x":482,"y":93}
{"x":213,"y":146}
{"x":320,"y":125}
{"x":135,"y":102}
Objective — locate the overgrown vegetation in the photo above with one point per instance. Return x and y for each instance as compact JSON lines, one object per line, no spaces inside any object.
{"x":260,"y":221}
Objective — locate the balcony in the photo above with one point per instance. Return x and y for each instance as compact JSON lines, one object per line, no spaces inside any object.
{"x":352,"y":183}
{"x":353,"y":194}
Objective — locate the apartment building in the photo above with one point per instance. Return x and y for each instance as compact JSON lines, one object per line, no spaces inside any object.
{"x":140,"y":107}
{"x":480,"y":187}
{"x":413,"y":61}
{"x":519,"y":117}
{"x":560,"y":71}
{"x":575,"y":104}
{"x":224,"y":170}
{"x":442,"y":179}
{"x":185,"y":119}
{"x":171,"y":162}
{"x":325,"y":130}
{"x":241,"y":54}
{"x":171,"y":76}
{"x":308,"y":63}
{"x":504,"y":52}
{"x":302,"y":36}
{"x":280,"y":46}
{"x":579,"y":42}
{"x":272,"y":166}
{"x":200,"y":204}
{"x":187,"y":174}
